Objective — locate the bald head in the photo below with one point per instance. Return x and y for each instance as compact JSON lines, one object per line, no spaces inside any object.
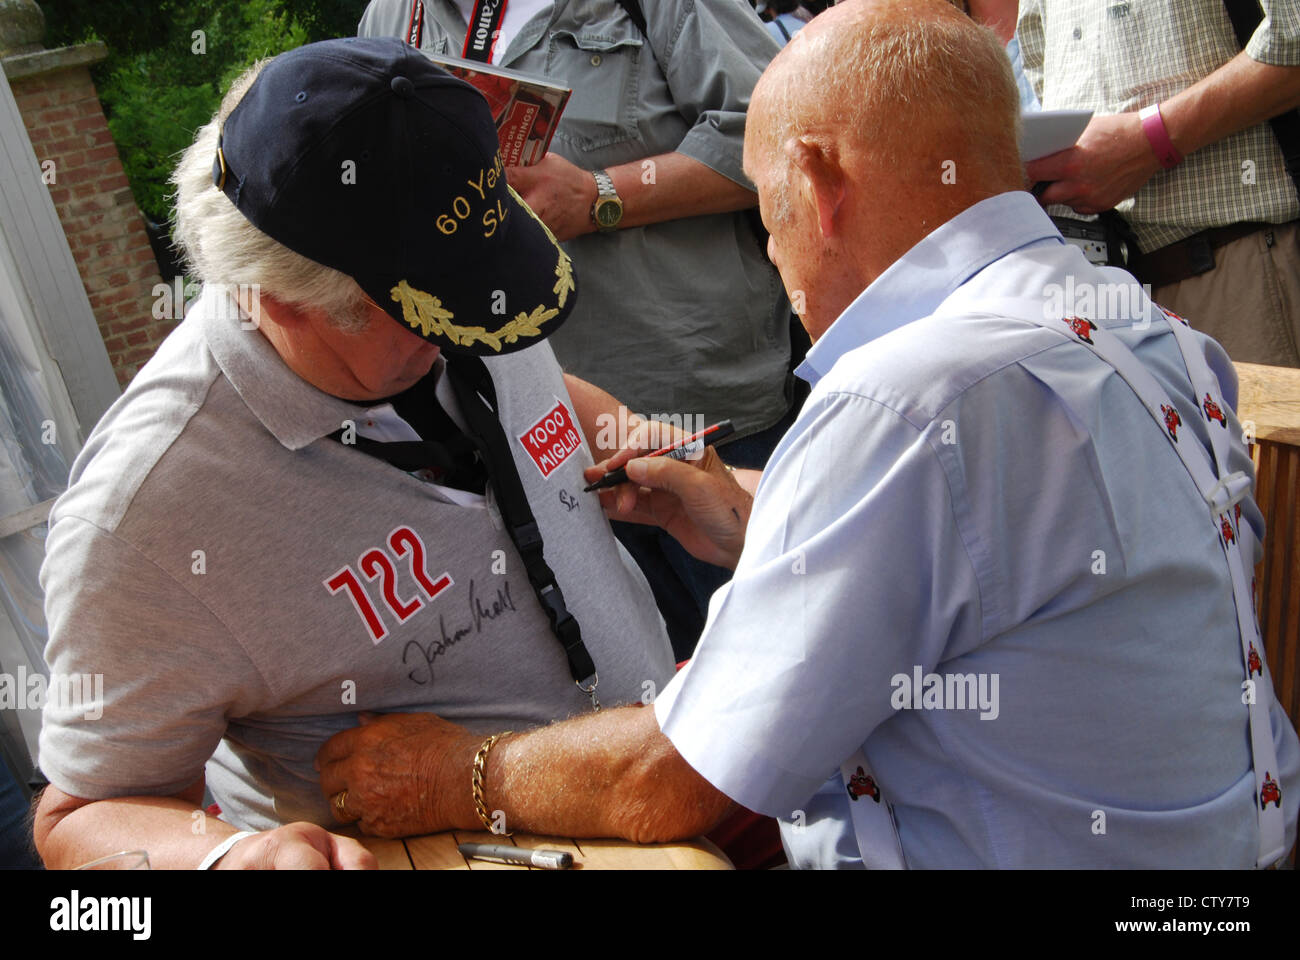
{"x":880,"y":121}
{"x":901,"y":84}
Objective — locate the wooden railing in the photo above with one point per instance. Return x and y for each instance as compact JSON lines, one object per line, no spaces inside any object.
{"x":1268,"y":406}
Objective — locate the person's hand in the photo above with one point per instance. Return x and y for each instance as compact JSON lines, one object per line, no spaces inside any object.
{"x":297,"y":846}
{"x":1110,"y":162}
{"x":560,"y":193}
{"x":697,"y":502}
{"x":399,"y":773}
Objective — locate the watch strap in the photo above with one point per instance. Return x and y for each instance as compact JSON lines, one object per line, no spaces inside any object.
{"x":604,"y":184}
{"x":606,"y":196}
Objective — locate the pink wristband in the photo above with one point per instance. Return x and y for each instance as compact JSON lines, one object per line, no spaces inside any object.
{"x":1153,"y":125}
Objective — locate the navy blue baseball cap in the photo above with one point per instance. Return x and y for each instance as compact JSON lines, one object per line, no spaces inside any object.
{"x":362,"y":155}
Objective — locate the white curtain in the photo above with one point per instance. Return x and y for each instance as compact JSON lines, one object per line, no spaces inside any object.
{"x":33,"y":470}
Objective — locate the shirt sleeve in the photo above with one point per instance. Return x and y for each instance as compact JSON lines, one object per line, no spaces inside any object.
{"x":712,"y":54}
{"x":169,"y":671}
{"x":1276,"y":40}
{"x":386,"y":18}
{"x":853,"y":573}
{"x":1029,"y":34}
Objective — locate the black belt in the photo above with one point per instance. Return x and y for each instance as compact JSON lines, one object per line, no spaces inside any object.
{"x":1192,"y":256}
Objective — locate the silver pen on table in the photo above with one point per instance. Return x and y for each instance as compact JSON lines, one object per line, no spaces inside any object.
{"x":521,"y":856}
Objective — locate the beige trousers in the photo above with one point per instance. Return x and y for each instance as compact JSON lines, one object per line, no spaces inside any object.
{"x":1250,"y":301}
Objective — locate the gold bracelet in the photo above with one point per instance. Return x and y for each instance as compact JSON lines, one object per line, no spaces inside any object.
{"x":479,"y":778}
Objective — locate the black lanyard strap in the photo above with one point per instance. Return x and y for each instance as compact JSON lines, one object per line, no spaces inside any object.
{"x":476,"y":395}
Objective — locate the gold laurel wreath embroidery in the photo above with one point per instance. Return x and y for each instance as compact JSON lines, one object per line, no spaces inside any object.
{"x":425,"y":312}
{"x":564,"y":267}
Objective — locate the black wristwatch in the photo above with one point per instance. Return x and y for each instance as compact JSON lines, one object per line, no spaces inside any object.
{"x":607,"y":211}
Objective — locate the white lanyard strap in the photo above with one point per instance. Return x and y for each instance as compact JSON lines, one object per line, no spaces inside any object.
{"x":1222,"y":492}
{"x":873,"y":819}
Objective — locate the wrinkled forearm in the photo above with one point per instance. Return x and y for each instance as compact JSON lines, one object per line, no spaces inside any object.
{"x":748,"y":479}
{"x":70,"y":832}
{"x":610,"y":774}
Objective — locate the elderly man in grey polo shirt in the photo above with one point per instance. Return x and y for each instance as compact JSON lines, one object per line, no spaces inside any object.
{"x":346,"y":483}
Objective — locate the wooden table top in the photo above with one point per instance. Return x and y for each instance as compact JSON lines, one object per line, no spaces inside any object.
{"x":437,"y":851}
{"x":1270,"y":397}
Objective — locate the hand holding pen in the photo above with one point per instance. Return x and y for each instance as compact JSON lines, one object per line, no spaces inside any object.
{"x":682,"y":449}
{"x":699,"y":504}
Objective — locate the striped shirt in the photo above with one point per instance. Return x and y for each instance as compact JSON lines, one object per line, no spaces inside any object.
{"x":1124,"y":55}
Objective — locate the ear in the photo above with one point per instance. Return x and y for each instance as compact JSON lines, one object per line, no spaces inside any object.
{"x":818,"y":162}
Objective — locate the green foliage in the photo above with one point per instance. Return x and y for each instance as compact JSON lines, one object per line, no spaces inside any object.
{"x":164,"y":79}
{"x":327,"y":18}
{"x":125,"y":25}
{"x":151,"y":126}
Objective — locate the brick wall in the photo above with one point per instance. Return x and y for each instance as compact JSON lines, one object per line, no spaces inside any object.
{"x":104,"y":228}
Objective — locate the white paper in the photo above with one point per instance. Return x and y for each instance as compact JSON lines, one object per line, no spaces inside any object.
{"x":1045,"y":132}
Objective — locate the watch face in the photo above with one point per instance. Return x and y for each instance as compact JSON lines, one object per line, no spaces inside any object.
{"x":608,"y":213}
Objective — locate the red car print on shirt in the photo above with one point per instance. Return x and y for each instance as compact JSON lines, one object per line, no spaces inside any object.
{"x":1253,"y":664}
{"x":1172,"y":420}
{"x":861,"y":785}
{"x":1214,"y":412}
{"x":1270,"y":792}
{"x":1225,"y":526}
{"x":1081,"y":328}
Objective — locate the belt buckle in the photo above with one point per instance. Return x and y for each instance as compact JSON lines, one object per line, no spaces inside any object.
{"x":1200,"y":255}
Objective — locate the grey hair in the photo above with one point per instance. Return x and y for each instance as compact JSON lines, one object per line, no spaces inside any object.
{"x":221,"y":246}
{"x":880,"y":85}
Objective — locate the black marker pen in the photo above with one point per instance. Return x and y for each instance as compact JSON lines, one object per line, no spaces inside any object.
{"x":683,"y":448}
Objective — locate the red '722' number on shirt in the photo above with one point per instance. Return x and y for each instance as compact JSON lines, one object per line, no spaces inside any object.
{"x":375,"y":564}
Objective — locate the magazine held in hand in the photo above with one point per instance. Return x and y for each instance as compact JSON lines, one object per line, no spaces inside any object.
{"x":526,"y":107}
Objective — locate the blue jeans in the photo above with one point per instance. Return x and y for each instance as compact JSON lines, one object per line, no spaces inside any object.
{"x":15,"y":836}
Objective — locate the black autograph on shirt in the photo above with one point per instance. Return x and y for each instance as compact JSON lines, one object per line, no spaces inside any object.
{"x":502,"y":604}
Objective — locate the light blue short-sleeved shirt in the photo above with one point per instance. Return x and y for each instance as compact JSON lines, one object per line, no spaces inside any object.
{"x":981,"y":498}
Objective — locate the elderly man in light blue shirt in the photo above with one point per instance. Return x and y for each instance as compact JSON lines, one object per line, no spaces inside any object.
{"x":980,"y":497}
{"x":981,"y":614}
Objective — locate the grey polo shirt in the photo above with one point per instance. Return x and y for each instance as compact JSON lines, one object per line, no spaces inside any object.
{"x":685,"y":317}
{"x":246,"y":585}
